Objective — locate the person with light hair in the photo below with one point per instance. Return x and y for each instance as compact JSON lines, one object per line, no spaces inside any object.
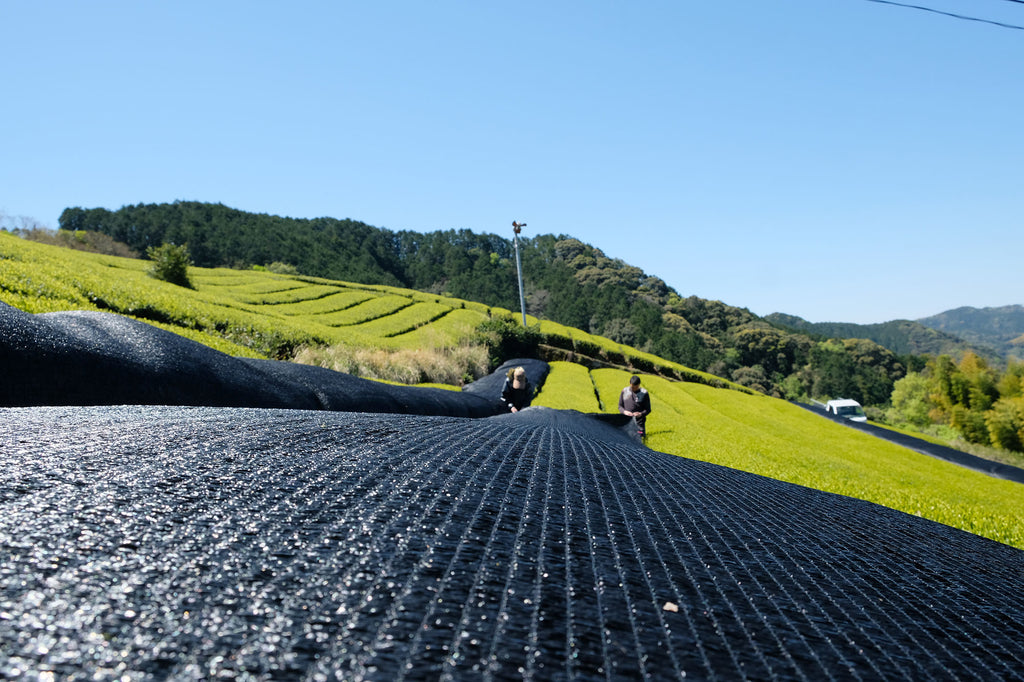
{"x":516,"y":393}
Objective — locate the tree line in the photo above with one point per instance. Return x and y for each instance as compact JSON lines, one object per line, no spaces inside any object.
{"x":981,"y":403}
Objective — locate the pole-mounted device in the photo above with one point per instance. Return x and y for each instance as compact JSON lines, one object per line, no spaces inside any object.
{"x":516,"y":229}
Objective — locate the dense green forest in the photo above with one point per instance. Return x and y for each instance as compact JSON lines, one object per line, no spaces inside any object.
{"x":982,"y":404}
{"x":567,"y":281}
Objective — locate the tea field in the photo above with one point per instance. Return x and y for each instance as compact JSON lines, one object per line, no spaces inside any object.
{"x":773,"y":438}
{"x":262,"y":314}
{"x":257,"y":313}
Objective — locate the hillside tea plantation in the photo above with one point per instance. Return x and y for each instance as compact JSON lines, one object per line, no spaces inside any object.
{"x":262,"y":314}
{"x":773,"y":438}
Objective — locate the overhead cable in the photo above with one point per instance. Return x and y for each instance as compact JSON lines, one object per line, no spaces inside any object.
{"x":953,"y":14}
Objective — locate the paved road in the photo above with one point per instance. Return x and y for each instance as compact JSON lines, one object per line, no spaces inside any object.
{"x":964,"y":459}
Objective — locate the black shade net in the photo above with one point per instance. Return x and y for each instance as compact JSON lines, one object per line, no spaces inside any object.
{"x":213,"y":543}
{"x":91,"y":358}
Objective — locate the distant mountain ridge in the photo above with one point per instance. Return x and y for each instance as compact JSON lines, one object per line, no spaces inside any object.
{"x":988,"y":332}
{"x":899,"y":336}
{"x":1002,"y":327}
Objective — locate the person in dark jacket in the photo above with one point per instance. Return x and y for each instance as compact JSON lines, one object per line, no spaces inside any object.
{"x":635,"y":402}
{"x":516,"y":393}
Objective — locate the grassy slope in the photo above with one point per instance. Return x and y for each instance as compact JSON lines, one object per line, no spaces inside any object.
{"x":245,"y":312}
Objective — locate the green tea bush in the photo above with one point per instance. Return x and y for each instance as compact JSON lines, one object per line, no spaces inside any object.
{"x":455,"y":328}
{"x":233,"y":280}
{"x":39,"y":278}
{"x":404,"y":320}
{"x":615,"y":357}
{"x":255,"y":287}
{"x":27,"y":279}
{"x":370,"y":309}
{"x":728,"y":427}
{"x":586,"y":347}
{"x":340,"y":299}
{"x":568,"y":387}
{"x":641,"y":364}
{"x":556,"y":340}
{"x":211,"y":340}
{"x":481,"y":308}
{"x":289,"y":292}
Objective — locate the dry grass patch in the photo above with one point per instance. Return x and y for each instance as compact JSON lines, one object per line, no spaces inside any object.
{"x":453,"y":365}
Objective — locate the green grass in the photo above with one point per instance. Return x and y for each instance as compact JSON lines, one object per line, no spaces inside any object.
{"x":257,"y":314}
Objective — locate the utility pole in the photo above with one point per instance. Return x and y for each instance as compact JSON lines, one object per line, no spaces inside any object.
{"x":516,"y":229}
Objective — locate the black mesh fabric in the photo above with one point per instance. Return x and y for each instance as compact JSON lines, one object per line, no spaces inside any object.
{"x":490,"y":386}
{"x":91,"y":358}
{"x":213,"y":543}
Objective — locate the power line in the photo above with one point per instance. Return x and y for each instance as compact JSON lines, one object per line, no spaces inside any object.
{"x":953,"y":14}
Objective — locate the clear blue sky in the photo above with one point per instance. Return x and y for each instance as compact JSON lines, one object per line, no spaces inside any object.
{"x":843,"y":160}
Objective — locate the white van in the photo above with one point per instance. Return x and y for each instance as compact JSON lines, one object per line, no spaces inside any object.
{"x":850,"y":409}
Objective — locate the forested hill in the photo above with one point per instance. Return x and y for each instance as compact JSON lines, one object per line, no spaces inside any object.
{"x":903,"y":337}
{"x":1001,"y":328}
{"x":567,"y":281}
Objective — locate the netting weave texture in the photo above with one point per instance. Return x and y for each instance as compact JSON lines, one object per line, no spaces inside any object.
{"x":202,"y":543}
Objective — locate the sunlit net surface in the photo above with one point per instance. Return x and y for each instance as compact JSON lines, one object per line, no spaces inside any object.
{"x":154,"y":542}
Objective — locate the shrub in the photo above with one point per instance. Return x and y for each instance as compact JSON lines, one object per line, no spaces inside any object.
{"x":614,"y":356}
{"x":1005,"y":423}
{"x":81,"y":240}
{"x":585,"y":347}
{"x":970,"y":424}
{"x":910,"y":401}
{"x":282,"y":268}
{"x":506,"y":338}
{"x":556,"y":340}
{"x":641,"y":364}
{"x":170,"y":263}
